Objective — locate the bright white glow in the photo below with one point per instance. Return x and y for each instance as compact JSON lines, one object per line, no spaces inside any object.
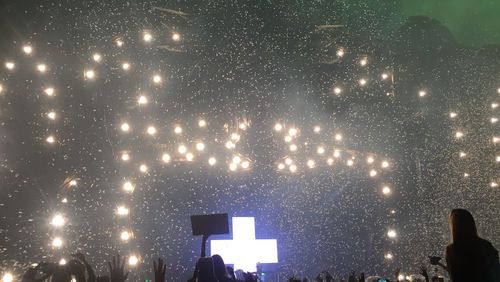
{"x":73,"y":183}
{"x":370,"y":160}
{"x":57,"y":242}
{"x":401,"y":277}
{"x":311,"y":163}
{"x":202,"y":123}
{"x":293,"y":168}
{"x":385,"y":164}
{"x":157,"y":79}
{"x":200,"y":146}
{"x":350,"y":162}
{"x":125,"y":157}
{"x":97,"y":57}
{"x":119,"y":42}
{"x":373,"y":173}
{"x":49,"y":91}
{"x":338,"y":137}
{"x":147,"y":37}
{"x":125,"y":127}
{"x":51,"y":139}
{"x":182,"y":149}
{"x":89,"y":74}
{"x":388,"y":256}
{"x":281,"y":166}
{"x":10,"y":65}
{"x":494,"y":105}
{"x":143,"y":100}
{"x":41,"y":68}
{"x":340,"y":53}
{"x":422,"y":93}
{"x":386,"y":190}
{"x":384,"y":76}
{"x":245,"y":165}
{"x":189,"y":157}
{"x":292,"y":131}
{"x":1,"y":88}
{"x":7,"y":277}
{"x":317,"y":129}
{"x":363,"y":62}
{"x":336,"y":153}
{"x":462,"y":154}
{"x":498,"y":90}
{"x":362,"y":82}
{"x":233,"y":166}
{"x":494,"y":120}
{"x":497,"y":158}
{"x":493,"y":184}
{"x":235,"y":137}
{"x":166,"y":157}
{"x":62,"y":261}
{"x":293,"y":147}
{"x":278,"y":127}
{"x":236,"y":159}
{"x":128,"y":186}
{"x":176,"y":36}
{"x":466,"y":175}
{"x":329,"y":161}
{"x":151,"y":130}
{"x":27,"y":49}
{"x":288,"y":139}
{"x":212,"y":161}
{"x":242,"y":126}
{"x":133,"y":260}
{"x":122,"y":211}
{"x":391,"y":233}
{"x":495,"y":139}
{"x":126,"y":66}
{"x":244,"y":242}
{"x":58,"y":220}
{"x":459,"y":134}
{"x":393,"y":211}
{"x":320,"y":150}
{"x":288,"y":161}
{"x":337,"y":90}
{"x":125,"y":236}
{"x":143,"y":168}
{"x":64,"y":200}
{"x":177,"y":129}
{"x":51,"y":115}
{"x":230,"y":145}
{"x":453,"y":115}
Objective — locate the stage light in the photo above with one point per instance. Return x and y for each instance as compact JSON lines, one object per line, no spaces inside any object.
{"x":373,"y":173}
{"x":338,"y":137}
{"x":125,"y":127}
{"x":133,"y":260}
{"x":122,"y":211}
{"x":176,"y":36}
{"x":391,"y":233}
{"x":177,"y":129}
{"x":242,"y":126}
{"x":235,"y":137}
{"x":62,"y":261}
{"x":166,"y":157}
{"x":212,"y":161}
{"x":493,"y":184}
{"x":340,"y":52}
{"x":281,"y":166}
{"x":459,"y":134}
{"x":233,"y":166}
{"x":64,"y":200}
{"x":337,"y":90}
{"x":278,"y":127}
{"x":73,"y":183}
{"x":49,"y":91}
{"x":495,"y":139}
{"x":245,"y":165}
{"x":230,"y":145}
{"x":494,"y":120}
{"x":386,"y":190}
{"x":151,"y":130}
{"x":51,"y":139}
{"x":317,"y":129}
{"x":97,"y":57}
{"x":293,"y":147}
{"x":51,"y":115}
{"x":384,"y":76}
{"x":336,"y":154}
{"x":125,"y":157}
{"x":363,"y":62}
{"x":41,"y":68}
{"x":143,"y":100}
{"x":125,"y":66}
{"x":1,"y":88}
{"x":89,"y":74}
{"x":497,"y":159}
{"x":119,"y":42}
{"x":453,"y":115}
{"x":370,"y":160}
{"x":57,"y":242}
{"x":200,"y":146}
{"x":320,"y":150}
{"x":329,"y":161}
{"x":58,"y":220}
{"x":292,"y":131}
{"x":385,"y":164}
{"x":125,"y":236}
{"x":182,"y":149}
{"x":311,"y":163}
{"x":10,"y":65}
{"x":157,"y":79}
{"x":147,"y":37}
{"x":363,"y":82}
{"x":189,"y":157}
{"x":128,"y":186}
{"x":422,"y":93}
{"x":143,"y":168}
{"x":388,"y":256}
{"x":7,"y":277}
{"x":350,"y":162}
{"x":462,"y":154}
{"x":498,"y":90}
{"x":401,"y":277}
{"x":236,"y":159}
{"x":202,"y":123}
{"x":288,"y":161}
{"x":494,"y":105}
{"x":292,"y":168}
{"x":466,"y":175}
{"x":27,"y":49}
{"x":288,"y":138}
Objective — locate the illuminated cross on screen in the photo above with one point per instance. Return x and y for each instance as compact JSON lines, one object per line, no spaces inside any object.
{"x":244,"y":251}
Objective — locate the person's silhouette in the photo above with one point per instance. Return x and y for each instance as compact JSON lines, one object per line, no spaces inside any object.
{"x":469,"y":257}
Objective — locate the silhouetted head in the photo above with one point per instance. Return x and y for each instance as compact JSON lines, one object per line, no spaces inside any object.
{"x":462,"y":226}
{"x":220,"y":268}
{"x":206,"y":270}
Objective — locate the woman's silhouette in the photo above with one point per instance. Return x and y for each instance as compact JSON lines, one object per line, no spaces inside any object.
{"x":469,"y":257}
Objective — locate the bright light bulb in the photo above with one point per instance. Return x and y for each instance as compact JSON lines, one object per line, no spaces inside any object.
{"x":125,"y":236}
{"x":125,"y":127}
{"x":119,"y":42}
{"x":386,"y":190}
{"x":363,"y":62}
{"x":7,"y":277}
{"x":157,"y":79}
{"x":143,"y":168}
{"x":453,"y":115}
{"x":57,"y":242}
{"x":202,"y":123}
{"x":338,"y":137}
{"x":292,"y":168}
{"x":233,"y":166}
{"x":178,"y":130}
{"x":212,"y":161}
{"x":288,"y":161}
{"x":51,"y":139}
{"x":336,"y":153}
{"x":493,"y":184}
{"x":494,"y":105}
{"x":133,"y":260}
{"x":10,"y":65}
{"x":242,"y":126}
{"x":245,"y":165}
{"x":495,"y":139}
{"x":143,"y":100}
{"x":370,"y":160}
{"x":89,"y":74}
{"x":64,"y":200}
{"x":293,"y":147}
{"x":125,"y":66}
{"x":176,"y":36}
{"x":58,"y":220}
{"x":51,"y":115}
{"x":73,"y":183}
{"x":281,"y":166}
{"x":329,"y":161}
{"x":373,"y":173}
{"x":62,"y":261}
{"x":128,"y":186}
{"x":391,"y":233}
{"x":97,"y":57}
{"x":362,"y":82}
{"x":189,"y":157}
{"x":49,"y":91}
{"x":459,"y":134}
{"x":236,"y":159}
{"x":320,"y":150}
{"x":125,"y":157}
{"x":388,"y":256}
{"x":466,"y":175}
{"x":41,"y":68}
{"x":166,"y":157}
{"x":230,"y":145}
{"x":384,"y":76}
{"x":147,"y":37}
{"x":278,"y":127}
{"x":337,"y":90}
{"x":122,"y":211}
{"x":422,"y":93}
{"x":385,"y":164}
{"x":350,"y":162}
{"x":27,"y":49}
{"x":292,"y":131}
{"x":1,"y":88}
{"x":151,"y":130}
{"x":235,"y":137}
{"x":317,"y":129}
{"x":462,"y":154}
{"x":494,"y":120}
{"x":340,"y":52}
{"x":288,"y":138}
{"x":311,"y":163}
{"x":182,"y":149}
{"x":200,"y":146}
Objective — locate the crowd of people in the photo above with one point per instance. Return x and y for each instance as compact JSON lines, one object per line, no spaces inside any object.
{"x":468,"y":258}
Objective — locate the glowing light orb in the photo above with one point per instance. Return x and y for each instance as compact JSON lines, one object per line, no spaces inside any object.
{"x":336,"y":153}
{"x":212,"y":161}
{"x":189,"y":157}
{"x":384,"y":76}
{"x":230,"y":145}
{"x":363,"y":62}
{"x":236,"y":159}
{"x":363,"y":82}
{"x":182,"y":149}
{"x":459,"y":134}
{"x":391,"y":233}
{"x":281,"y":166}
{"x":157,"y":79}
{"x":51,"y":139}
{"x":49,"y":91}
{"x":64,"y":200}
{"x":388,"y":256}
{"x":125,"y":157}
{"x":133,"y":260}
{"x":143,"y":168}
{"x":288,"y":161}
{"x":125,"y":236}
{"x":278,"y":127}
{"x":311,"y":163}
{"x":338,"y":137}
{"x":340,"y":53}
{"x":235,"y":137}
{"x":466,"y":175}
{"x":73,"y":183}
{"x":142,"y":100}
{"x":288,"y":138}
{"x":293,"y":147}
{"x":151,"y":130}
{"x":350,"y":162}
{"x":128,"y":186}
{"x":1,"y":88}
{"x":119,"y":42}
{"x":373,"y":173}
{"x":176,"y":36}
{"x":178,"y":129}
{"x":125,"y":66}
{"x":62,"y":261}
{"x":125,"y":127}
{"x":292,"y":131}
{"x":462,"y":154}
{"x":200,"y":146}
{"x":494,"y":105}
{"x":166,"y":157}
{"x":329,"y":161}
{"x":422,"y":93}
{"x":493,"y":184}
{"x":51,"y":115}
{"x":494,"y":120}
{"x":370,"y":160}
{"x":58,"y":220}
{"x":337,"y":90}
{"x":242,"y":126}
{"x":233,"y":167}
{"x":57,"y":242}
{"x":497,"y":158}
{"x":245,"y":164}
{"x":320,"y":150}
{"x":10,"y":65}
{"x":386,"y":190}
{"x":147,"y":37}
{"x":498,"y":90}
{"x":7,"y":277}
{"x":385,"y":164}
{"x":292,"y":168}
{"x":122,"y":211}
{"x":495,"y":139}
{"x":317,"y":129}
{"x":27,"y":49}
{"x":89,"y":74}
{"x":202,"y":123}
{"x":453,"y":115}
{"x":41,"y":68}
{"x":97,"y":57}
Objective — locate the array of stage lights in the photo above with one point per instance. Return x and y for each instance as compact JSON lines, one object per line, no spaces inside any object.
{"x":300,"y":154}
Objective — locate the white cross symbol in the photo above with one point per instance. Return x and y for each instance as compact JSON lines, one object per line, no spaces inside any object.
{"x":244,"y":251}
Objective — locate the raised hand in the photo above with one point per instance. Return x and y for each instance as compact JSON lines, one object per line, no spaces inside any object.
{"x":159,"y":270}
{"x":117,"y":270}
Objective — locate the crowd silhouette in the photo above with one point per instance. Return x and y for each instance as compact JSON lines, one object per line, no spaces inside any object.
{"x":468,"y":258}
